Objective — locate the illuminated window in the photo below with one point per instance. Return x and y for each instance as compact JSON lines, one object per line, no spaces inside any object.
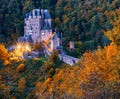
{"x":43,"y":33}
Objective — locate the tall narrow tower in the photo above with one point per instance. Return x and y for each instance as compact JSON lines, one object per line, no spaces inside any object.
{"x":38,"y":25}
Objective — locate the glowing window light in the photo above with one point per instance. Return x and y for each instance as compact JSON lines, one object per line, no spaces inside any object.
{"x":43,"y":33}
{"x":18,"y":46}
{"x":27,"y":48}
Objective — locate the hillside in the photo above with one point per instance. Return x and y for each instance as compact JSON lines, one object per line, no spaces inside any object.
{"x":81,"y":21}
{"x":19,"y":77}
{"x":93,"y":25}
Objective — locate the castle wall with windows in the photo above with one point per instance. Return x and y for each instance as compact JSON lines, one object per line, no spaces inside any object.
{"x":38,"y":25}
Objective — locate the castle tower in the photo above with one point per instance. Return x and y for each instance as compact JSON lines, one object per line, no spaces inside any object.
{"x":55,"y":41}
{"x":38,"y":25}
{"x":72,"y":46}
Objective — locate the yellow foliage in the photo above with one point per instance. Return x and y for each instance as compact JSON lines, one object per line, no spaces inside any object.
{"x":20,"y":67}
{"x":39,"y":86}
{"x":47,"y":81}
{"x":6,"y":62}
{"x":114,"y":34}
{"x":95,"y":73}
{"x":4,"y":55}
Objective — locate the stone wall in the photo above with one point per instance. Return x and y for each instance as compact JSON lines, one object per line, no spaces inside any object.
{"x":68,"y":59}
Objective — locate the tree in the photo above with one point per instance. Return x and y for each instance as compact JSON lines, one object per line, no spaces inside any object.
{"x":22,"y":84}
{"x":114,"y":34}
{"x":28,"y":5}
{"x":101,"y":69}
{"x":39,"y":89}
{"x":54,"y":58}
{"x":4,"y":54}
{"x":14,"y":97}
{"x":20,"y":67}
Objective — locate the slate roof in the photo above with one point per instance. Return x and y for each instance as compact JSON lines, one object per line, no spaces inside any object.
{"x":46,"y":26}
{"x":39,"y":12}
{"x":47,"y":14}
{"x":57,"y":35}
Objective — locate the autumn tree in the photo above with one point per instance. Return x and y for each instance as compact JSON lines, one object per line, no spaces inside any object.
{"x":14,"y":97}
{"x":43,"y":89}
{"x":4,"y":54}
{"x":96,"y":75}
{"x":114,"y":34}
{"x":100,"y":72}
{"x":54,"y":58}
{"x":22,"y":84}
{"x":20,"y":67}
{"x":39,"y":89}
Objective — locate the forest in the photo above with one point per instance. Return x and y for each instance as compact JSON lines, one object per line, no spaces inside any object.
{"x":94,"y":26}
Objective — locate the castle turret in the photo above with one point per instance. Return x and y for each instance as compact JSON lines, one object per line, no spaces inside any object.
{"x":55,"y":41}
{"x":72,"y":46}
{"x":47,"y":16}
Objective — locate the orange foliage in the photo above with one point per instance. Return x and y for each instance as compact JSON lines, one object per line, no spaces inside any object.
{"x":57,"y":20}
{"x":4,"y":55}
{"x":20,"y":67}
{"x":96,"y":74}
{"x":22,"y":84}
{"x":64,"y":17}
{"x":114,"y":34}
{"x":101,"y":67}
{"x":14,"y":97}
{"x":39,"y":88}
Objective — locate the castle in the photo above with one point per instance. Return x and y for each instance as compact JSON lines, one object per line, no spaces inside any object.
{"x":38,"y":28}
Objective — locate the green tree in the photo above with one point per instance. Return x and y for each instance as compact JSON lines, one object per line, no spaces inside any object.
{"x":28,"y":5}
